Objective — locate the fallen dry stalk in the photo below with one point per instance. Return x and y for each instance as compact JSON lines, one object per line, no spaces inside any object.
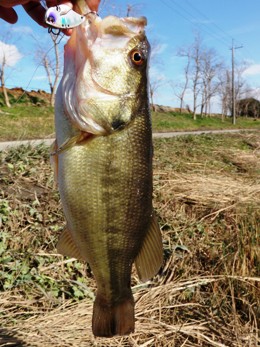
{"x":70,"y":324}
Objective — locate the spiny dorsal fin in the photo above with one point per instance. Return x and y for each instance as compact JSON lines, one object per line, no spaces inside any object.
{"x":66,"y":246}
{"x":150,"y":257}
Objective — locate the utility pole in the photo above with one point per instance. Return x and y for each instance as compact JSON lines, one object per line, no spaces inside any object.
{"x":233,"y":83}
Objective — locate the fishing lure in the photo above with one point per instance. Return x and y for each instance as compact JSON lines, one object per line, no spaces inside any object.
{"x":63,"y":17}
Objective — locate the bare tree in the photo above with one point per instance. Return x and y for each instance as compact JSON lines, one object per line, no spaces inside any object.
{"x":181,"y":88}
{"x":224,"y":78}
{"x":241,"y":86}
{"x":132,"y":10}
{"x":154,"y":85}
{"x":122,"y":10}
{"x":210,"y":65}
{"x":225,"y":87}
{"x":51,"y":65}
{"x":200,"y":75}
{"x":195,"y":74}
{"x":157,"y":80}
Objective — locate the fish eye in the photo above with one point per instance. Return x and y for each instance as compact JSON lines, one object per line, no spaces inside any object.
{"x":137,"y":57}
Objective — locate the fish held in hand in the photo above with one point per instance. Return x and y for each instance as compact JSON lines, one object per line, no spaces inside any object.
{"x":103,"y":160}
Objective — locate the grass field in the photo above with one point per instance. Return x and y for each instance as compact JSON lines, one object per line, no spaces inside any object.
{"x":176,"y":121}
{"x":22,"y":122}
{"x":206,"y":196}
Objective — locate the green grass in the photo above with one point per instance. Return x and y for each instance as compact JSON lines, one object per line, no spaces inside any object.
{"x":26,"y":122}
{"x":179,"y":122}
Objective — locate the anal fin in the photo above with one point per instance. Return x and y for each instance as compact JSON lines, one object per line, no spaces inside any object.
{"x":150,"y":257}
{"x":67,"y":247}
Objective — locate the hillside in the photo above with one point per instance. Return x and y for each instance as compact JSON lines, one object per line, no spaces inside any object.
{"x":21,"y":96}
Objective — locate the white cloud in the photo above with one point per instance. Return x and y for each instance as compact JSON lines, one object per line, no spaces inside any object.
{"x":9,"y":53}
{"x":252,"y":70}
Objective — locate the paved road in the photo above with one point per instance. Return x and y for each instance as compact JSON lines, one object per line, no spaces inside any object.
{"x":48,"y":142}
{"x":13,"y":144}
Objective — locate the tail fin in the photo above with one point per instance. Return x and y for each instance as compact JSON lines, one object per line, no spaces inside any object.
{"x":116,"y":319}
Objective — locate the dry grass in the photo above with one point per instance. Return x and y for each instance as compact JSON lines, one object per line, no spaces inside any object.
{"x":157,"y":323}
{"x":207,"y":194}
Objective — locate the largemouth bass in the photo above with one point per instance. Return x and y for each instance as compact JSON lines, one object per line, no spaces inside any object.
{"x":103,"y":157}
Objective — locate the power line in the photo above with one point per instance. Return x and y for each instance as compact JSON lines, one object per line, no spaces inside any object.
{"x":181,"y":11}
{"x":207,"y":18}
{"x":189,"y":16}
{"x":228,"y":36}
{"x":208,"y":28}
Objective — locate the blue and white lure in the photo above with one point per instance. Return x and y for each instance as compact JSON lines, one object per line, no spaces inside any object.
{"x":63,"y":17}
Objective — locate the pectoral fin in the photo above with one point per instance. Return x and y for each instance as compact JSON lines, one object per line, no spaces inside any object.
{"x":66,"y":246}
{"x":79,"y":138}
{"x":150,"y":257}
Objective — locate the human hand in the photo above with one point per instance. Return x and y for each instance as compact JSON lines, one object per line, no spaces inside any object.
{"x":35,"y":9}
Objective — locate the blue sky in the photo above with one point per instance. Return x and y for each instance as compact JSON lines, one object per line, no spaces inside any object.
{"x":171,"y":25}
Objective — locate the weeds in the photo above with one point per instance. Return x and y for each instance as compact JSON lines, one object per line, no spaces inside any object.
{"x":207,"y":293}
